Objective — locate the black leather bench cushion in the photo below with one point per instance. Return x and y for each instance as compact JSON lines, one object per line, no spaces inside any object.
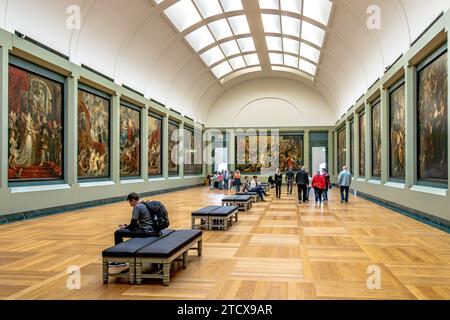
{"x":230,"y":198}
{"x":167,"y":246}
{"x":224,"y":211}
{"x":130,"y":247}
{"x":247,"y":194}
{"x":243,"y":198}
{"x":205,"y":211}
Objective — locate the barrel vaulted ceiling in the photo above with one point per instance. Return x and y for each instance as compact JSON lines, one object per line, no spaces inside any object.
{"x":188,"y":53}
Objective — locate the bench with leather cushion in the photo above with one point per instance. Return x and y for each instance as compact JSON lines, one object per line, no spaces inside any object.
{"x":243,"y":198}
{"x":170,"y":244}
{"x":224,"y":211}
{"x":230,"y":198}
{"x":130,"y":247}
{"x":205,"y":211}
{"x":246,"y":193}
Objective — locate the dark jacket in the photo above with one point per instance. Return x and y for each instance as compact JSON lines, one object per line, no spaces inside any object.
{"x":290,"y":175}
{"x":302,"y":178}
{"x":278,"y":179}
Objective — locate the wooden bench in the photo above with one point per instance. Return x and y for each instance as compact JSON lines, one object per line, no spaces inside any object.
{"x":125,"y":253}
{"x":215,"y":217}
{"x":203,"y":216}
{"x":253,"y":194}
{"x":163,"y":252}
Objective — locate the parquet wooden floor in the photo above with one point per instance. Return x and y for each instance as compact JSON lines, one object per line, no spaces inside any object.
{"x":278,"y":250}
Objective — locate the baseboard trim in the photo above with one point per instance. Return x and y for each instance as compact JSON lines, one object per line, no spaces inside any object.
{"x":34,"y":214}
{"x":433,"y":221}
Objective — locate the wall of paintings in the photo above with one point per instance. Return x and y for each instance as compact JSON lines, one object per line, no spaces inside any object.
{"x":291,"y":151}
{"x":174,"y":168}
{"x":341,"y":149}
{"x":192,"y":152}
{"x":130,"y":141}
{"x":432,"y":121}
{"x":397,"y":142}
{"x":376,"y":140}
{"x":35,"y":122}
{"x":93,"y":134}
{"x":154,"y":145}
{"x":362,"y":144}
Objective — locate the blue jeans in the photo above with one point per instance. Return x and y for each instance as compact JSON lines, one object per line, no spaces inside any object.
{"x":258,"y":190}
{"x":237,"y":182}
{"x":318,"y":192}
{"x":344,"y":193}
{"x":325,"y":195}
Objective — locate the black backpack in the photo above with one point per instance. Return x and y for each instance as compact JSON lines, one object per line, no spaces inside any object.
{"x":159,"y":215}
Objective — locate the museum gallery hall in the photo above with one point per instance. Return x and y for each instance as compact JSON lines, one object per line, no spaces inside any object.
{"x":224,"y":150}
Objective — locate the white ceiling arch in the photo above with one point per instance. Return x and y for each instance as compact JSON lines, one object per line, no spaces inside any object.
{"x":134,"y":43}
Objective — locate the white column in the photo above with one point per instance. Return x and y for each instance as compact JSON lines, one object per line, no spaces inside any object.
{"x":165,"y":147}
{"x":368,"y":145}
{"x":71,"y":131}
{"x":181,"y":154}
{"x":4,"y":136}
{"x":410,"y":127}
{"x":115,"y":143}
{"x":307,"y":151}
{"x":356,"y":150}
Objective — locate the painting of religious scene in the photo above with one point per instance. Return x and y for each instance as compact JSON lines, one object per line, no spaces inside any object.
{"x":130,"y":142}
{"x":432,"y":121}
{"x":35,"y":122}
{"x":362,"y":145}
{"x":376,"y":140}
{"x":173,"y":149}
{"x":397,"y":132}
{"x":247,"y":154}
{"x":189,"y":166}
{"x":291,"y":152}
{"x":93,"y":135}
{"x":154,"y":146}
{"x":341,"y":149}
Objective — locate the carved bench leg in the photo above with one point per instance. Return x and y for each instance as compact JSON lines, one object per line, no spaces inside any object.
{"x":105,"y":271}
{"x":199,"y":248}
{"x":185,"y":259}
{"x":166,"y":274}
{"x":132,"y":271}
{"x":138,"y":276}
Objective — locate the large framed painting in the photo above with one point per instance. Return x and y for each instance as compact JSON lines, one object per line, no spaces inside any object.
{"x":93,"y":133}
{"x":397,"y":154}
{"x":362,"y":144}
{"x":247,"y":153}
{"x":352,"y":144}
{"x":198,"y":152}
{"x":341,"y":149}
{"x":130,"y":141}
{"x":174,"y":168}
{"x":154,"y":145}
{"x":432,"y":113}
{"x":291,"y":151}
{"x":376,"y":140}
{"x":35,"y":123}
{"x":189,"y":151}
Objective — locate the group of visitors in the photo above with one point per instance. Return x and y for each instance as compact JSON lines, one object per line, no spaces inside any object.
{"x":223,"y":180}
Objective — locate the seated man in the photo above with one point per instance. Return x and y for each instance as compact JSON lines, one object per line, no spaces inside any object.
{"x":141,"y":225}
{"x":255,"y":187}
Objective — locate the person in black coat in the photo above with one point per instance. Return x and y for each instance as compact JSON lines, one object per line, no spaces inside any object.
{"x":302,"y":180}
{"x":278,"y":182}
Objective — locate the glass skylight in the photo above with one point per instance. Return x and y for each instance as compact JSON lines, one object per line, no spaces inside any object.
{"x":246,"y":44}
{"x":291,"y":46}
{"x":271,"y":23}
{"x":212,"y":56}
{"x":183,"y":14}
{"x":291,"y":61}
{"x":230,"y":48}
{"x":291,"y":26}
{"x":308,"y":67}
{"x":251,"y":59}
{"x":309,"y":52}
{"x":269,"y":4}
{"x":239,"y":25}
{"x":318,"y":10}
{"x":274,"y":43}
{"x":312,"y":33}
{"x":200,"y":38}
{"x":276,"y":58}
{"x":231,"y":5}
{"x":291,"y":5}
{"x":237,"y":63}
{"x":208,"y":8}
{"x":221,"y":69}
{"x":220,"y":29}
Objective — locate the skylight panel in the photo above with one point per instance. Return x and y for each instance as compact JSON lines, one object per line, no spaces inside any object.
{"x":200,"y":38}
{"x":312,"y":33}
{"x":231,"y":5}
{"x":212,"y":56}
{"x":183,"y":14}
{"x":251,"y":59}
{"x":230,"y":48}
{"x":291,"y":46}
{"x":276,"y":58}
{"x":271,"y":23}
{"x":246,"y":44}
{"x":221,"y":69}
{"x":294,"y":71}
{"x":308,"y":52}
{"x":294,"y":6}
{"x":239,"y":25}
{"x":158,"y":1}
{"x":290,"y":61}
{"x":220,"y":29}
{"x":208,"y":8}
{"x":318,"y":10}
{"x":237,"y":63}
{"x":269,"y":4}
{"x":308,"y":67}
{"x":291,"y":26}
{"x":274,"y":44}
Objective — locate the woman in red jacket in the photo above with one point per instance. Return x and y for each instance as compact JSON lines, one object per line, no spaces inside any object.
{"x":318,"y":183}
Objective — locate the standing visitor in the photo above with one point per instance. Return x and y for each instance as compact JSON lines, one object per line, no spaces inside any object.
{"x":302,"y":181}
{"x":327,"y":183}
{"x":278,"y":183}
{"x":318,"y":183}
{"x":290,"y":176}
{"x":237,"y":180}
{"x":344,"y":182}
